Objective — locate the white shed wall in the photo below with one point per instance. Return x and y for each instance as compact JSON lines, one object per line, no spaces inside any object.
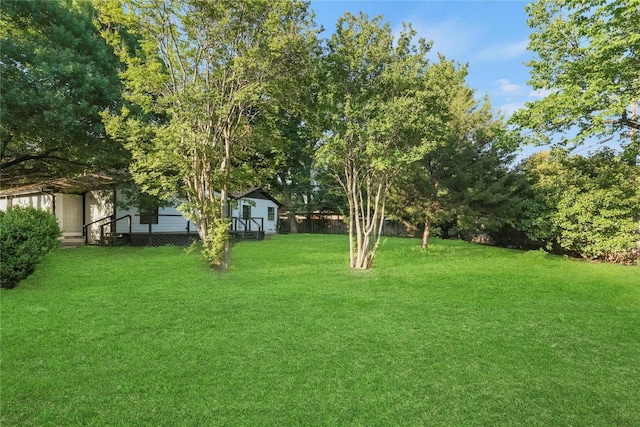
{"x":39,"y":201}
{"x":171,"y":220}
{"x":259,"y":209}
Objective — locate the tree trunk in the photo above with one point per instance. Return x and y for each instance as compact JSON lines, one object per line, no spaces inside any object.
{"x":369,"y":210}
{"x":291,"y":215}
{"x":226,"y":255}
{"x":223,"y":251}
{"x":353,"y":216}
{"x":426,"y":233}
{"x":634,"y":143}
{"x":293,"y":222}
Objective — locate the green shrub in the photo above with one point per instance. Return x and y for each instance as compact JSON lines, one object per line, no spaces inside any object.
{"x":587,"y":206}
{"x":26,"y":236}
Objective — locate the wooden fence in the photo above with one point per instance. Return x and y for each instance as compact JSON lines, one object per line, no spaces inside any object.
{"x":318,"y":223}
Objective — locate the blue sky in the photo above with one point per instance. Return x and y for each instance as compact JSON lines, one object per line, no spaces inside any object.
{"x":490,"y":36}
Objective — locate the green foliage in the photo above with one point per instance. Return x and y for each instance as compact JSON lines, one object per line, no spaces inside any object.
{"x":58,"y":75}
{"x":284,"y":158}
{"x":586,"y":205}
{"x":217,"y":243}
{"x":26,"y":236}
{"x":587,"y":56}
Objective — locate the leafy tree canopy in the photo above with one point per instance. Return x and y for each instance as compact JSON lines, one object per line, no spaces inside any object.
{"x":197,"y":76}
{"x":587,"y":57}
{"x":58,"y":75}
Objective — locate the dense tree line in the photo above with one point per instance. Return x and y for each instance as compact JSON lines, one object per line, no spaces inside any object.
{"x":199,"y":98}
{"x":586,"y":58}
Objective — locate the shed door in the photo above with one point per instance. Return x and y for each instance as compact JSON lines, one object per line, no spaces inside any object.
{"x":69,"y":213}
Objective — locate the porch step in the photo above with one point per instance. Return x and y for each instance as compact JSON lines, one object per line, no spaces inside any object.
{"x":116,"y":239}
{"x":72,"y":242}
{"x":247,"y":235}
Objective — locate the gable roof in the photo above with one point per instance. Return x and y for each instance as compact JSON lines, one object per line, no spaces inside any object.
{"x":254,"y":193}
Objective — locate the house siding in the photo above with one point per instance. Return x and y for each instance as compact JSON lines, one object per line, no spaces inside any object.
{"x":98,"y":206}
{"x":170,"y":220}
{"x":39,"y":201}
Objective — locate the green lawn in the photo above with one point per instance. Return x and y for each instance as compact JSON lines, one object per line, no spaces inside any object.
{"x":458,"y":335}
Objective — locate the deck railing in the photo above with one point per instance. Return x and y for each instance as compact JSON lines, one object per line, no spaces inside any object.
{"x":246,"y":224}
{"x":113,"y":221}
{"x":85,"y":227}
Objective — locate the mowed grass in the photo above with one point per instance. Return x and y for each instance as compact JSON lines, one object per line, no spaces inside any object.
{"x":458,"y":335}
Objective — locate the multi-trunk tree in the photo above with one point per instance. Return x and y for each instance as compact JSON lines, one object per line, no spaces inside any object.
{"x":196,"y":75}
{"x":57,"y":76}
{"x":381,"y":111}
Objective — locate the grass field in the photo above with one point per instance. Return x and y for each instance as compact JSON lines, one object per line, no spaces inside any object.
{"x":459,"y":335}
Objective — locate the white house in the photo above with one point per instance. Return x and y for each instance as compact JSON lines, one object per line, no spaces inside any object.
{"x":92,"y":209}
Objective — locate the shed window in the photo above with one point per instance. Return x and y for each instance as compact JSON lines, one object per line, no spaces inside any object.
{"x":271,"y":214}
{"x":149,"y":217}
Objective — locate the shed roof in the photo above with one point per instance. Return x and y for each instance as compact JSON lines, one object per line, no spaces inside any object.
{"x":254,"y":193}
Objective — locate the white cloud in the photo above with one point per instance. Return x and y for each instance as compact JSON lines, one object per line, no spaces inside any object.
{"x":509,"y":88}
{"x":540,"y":93}
{"x":502,"y":52}
{"x":509,"y":109}
{"x":451,"y":37}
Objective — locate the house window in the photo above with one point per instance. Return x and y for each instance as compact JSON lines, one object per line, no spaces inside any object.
{"x":271,"y":214}
{"x":149,"y":217}
{"x":246,"y":211}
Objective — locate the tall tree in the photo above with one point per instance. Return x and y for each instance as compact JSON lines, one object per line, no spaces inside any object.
{"x":380,"y":112}
{"x":465,"y":178}
{"x":57,"y":76}
{"x":587,"y":56}
{"x":197,"y":77}
{"x":283,"y":154}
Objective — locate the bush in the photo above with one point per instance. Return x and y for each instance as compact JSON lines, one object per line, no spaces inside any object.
{"x":587,"y":206}
{"x":26,"y":236}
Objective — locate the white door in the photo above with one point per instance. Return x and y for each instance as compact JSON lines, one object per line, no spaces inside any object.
{"x":69,"y":214}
